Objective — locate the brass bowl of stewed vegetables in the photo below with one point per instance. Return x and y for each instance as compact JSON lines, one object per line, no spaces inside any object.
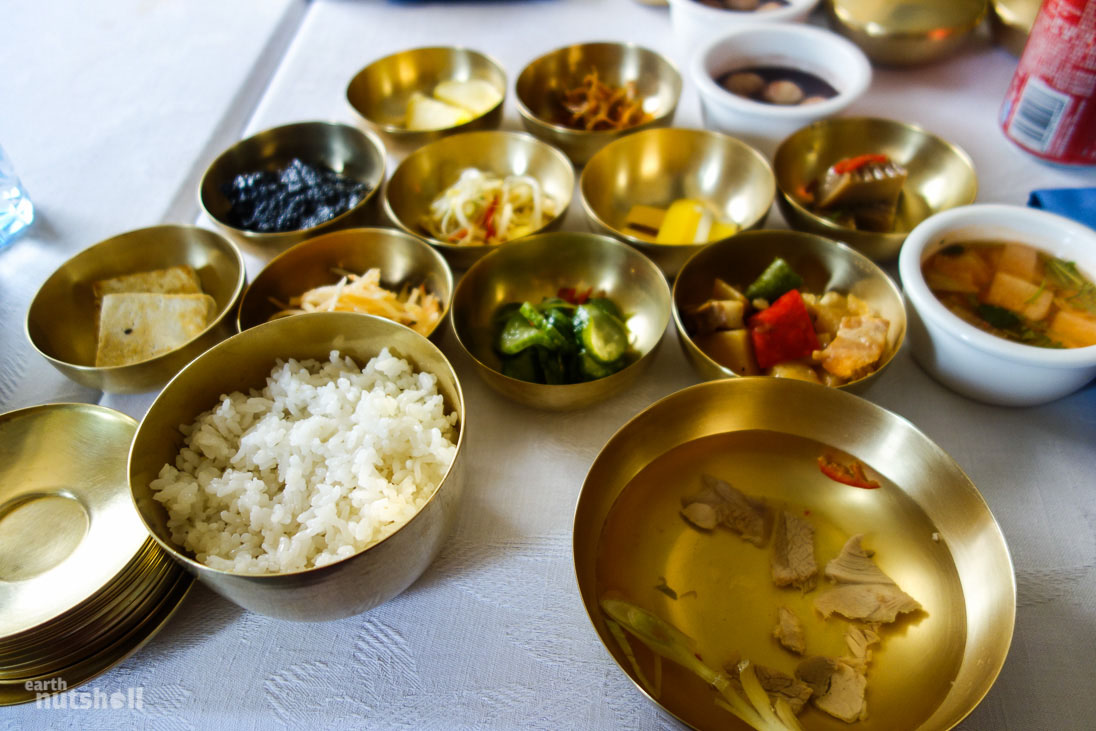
{"x":562,"y":321}
{"x":470,"y":193}
{"x":658,"y":188}
{"x":423,"y":94}
{"x":939,"y":176}
{"x":331,"y":148}
{"x":845,"y":283}
{"x":557,"y":95}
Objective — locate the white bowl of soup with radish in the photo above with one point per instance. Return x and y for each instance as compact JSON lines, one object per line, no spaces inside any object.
{"x":1002,"y":302}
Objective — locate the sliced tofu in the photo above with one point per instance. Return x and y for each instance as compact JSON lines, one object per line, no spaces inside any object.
{"x":1020,"y":296}
{"x":136,"y":326}
{"x":173,"y":280}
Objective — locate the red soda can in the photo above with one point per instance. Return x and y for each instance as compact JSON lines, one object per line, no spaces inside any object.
{"x":1050,"y":106}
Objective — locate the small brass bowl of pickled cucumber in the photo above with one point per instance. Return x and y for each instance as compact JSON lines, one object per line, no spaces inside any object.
{"x":730,"y":348}
{"x":652,"y":82}
{"x":669,"y":192}
{"x":600,"y":310}
{"x":938,"y":175}
{"x":423,"y":94}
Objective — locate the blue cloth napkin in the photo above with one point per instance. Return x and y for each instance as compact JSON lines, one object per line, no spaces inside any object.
{"x":1076,"y":203}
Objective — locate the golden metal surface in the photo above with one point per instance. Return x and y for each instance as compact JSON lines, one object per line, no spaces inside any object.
{"x":427,"y":172}
{"x":941,"y":176}
{"x":907,"y":32}
{"x":404,"y":260}
{"x":538,"y":268}
{"x":347,"y":150}
{"x":343,"y":588}
{"x":380,"y":91}
{"x":824,"y":265}
{"x":62,"y":321}
{"x":541,"y":83}
{"x":657,"y":166}
{"x":62,"y":466}
{"x":1012,"y":21}
{"x":763,"y":436}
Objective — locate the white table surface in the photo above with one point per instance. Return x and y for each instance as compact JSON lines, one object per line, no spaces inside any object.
{"x":111,"y":113}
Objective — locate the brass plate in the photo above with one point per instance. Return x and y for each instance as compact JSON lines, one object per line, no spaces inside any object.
{"x":764,"y":436}
{"x":62,"y":465}
{"x":15,"y":692}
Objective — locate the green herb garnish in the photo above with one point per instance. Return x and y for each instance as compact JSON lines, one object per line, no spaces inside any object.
{"x":1065,"y":275}
{"x":953,"y":250}
{"x":999,"y":317}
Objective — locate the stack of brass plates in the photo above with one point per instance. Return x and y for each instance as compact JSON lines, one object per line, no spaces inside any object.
{"x":82,"y":584}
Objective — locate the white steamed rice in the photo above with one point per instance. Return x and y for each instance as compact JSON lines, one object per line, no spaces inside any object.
{"x":325,"y":461}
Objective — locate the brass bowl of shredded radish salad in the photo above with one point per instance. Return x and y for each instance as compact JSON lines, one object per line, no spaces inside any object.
{"x":372,"y":271}
{"x":469,"y":193}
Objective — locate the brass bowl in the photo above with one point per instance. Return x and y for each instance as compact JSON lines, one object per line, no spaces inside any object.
{"x":343,"y":588}
{"x":764,"y":437}
{"x":824,"y":265}
{"x":541,"y":83}
{"x":1011,"y":21}
{"x":63,"y":318}
{"x":657,"y":166}
{"x":941,"y":176}
{"x":539,"y":268}
{"x":346,"y":150}
{"x":427,"y":172}
{"x":906,"y":34}
{"x":380,"y":91}
{"x":403,"y":260}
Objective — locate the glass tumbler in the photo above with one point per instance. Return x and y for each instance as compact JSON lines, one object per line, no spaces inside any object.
{"x":16,"y":209}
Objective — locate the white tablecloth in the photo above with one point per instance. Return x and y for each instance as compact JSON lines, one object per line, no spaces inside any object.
{"x":111,"y":112}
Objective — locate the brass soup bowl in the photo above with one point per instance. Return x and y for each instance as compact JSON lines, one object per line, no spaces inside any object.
{"x":379,"y":92}
{"x":346,"y":150}
{"x":538,"y":268}
{"x":657,"y":166}
{"x":908,"y":35}
{"x":427,"y":172}
{"x":824,"y":265}
{"x":404,"y":260}
{"x":348,"y":586}
{"x":542,"y":83}
{"x":940,"y":176}
{"x":63,"y":318}
{"x":930,"y":527}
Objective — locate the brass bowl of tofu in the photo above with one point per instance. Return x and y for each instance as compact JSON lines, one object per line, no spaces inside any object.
{"x":126,"y":314}
{"x":669,"y":192}
{"x":422,"y":94}
{"x":914,"y":574}
{"x":998,"y":305}
{"x":788,"y":304}
{"x":868,"y":181}
{"x":558,"y":95}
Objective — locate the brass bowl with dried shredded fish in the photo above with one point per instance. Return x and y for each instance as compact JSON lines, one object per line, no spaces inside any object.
{"x":794,"y":556}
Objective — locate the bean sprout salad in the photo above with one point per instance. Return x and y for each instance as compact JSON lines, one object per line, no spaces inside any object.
{"x":484,"y":209}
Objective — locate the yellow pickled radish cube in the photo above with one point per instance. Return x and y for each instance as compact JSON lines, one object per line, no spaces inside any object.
{"x":645,"y":221}
{"x":686,"y":222}
{"x":722,"y":229}
{"x":425,"y":113}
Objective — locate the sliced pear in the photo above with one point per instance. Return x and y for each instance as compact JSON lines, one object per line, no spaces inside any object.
{"x":424,"y":113}
{"x":474,"y":95}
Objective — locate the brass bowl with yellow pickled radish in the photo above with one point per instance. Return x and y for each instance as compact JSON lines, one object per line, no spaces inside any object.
{"x":669,"y":192}
{"x":732,"y":322}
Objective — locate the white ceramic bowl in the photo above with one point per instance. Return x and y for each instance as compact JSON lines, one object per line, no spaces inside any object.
{"x":820,"y":52}
{"x":962,"y":357}
{"x":695,"y":23}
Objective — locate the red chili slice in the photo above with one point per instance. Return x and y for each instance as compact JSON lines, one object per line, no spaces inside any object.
{"x":850,"y":164}
{"x":847,"y":474}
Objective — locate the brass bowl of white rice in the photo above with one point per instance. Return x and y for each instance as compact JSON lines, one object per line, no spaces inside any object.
{"x":307,"y":468}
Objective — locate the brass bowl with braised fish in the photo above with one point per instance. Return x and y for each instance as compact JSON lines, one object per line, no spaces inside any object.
{"x":868,"y":181}
{"x":791,"y":305}
{"x":786,"y":556}
{"x":126,"y":314}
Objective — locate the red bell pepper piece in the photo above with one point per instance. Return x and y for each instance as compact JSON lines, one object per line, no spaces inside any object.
{"x":783,"y":332}
{"x":850,"y":474}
